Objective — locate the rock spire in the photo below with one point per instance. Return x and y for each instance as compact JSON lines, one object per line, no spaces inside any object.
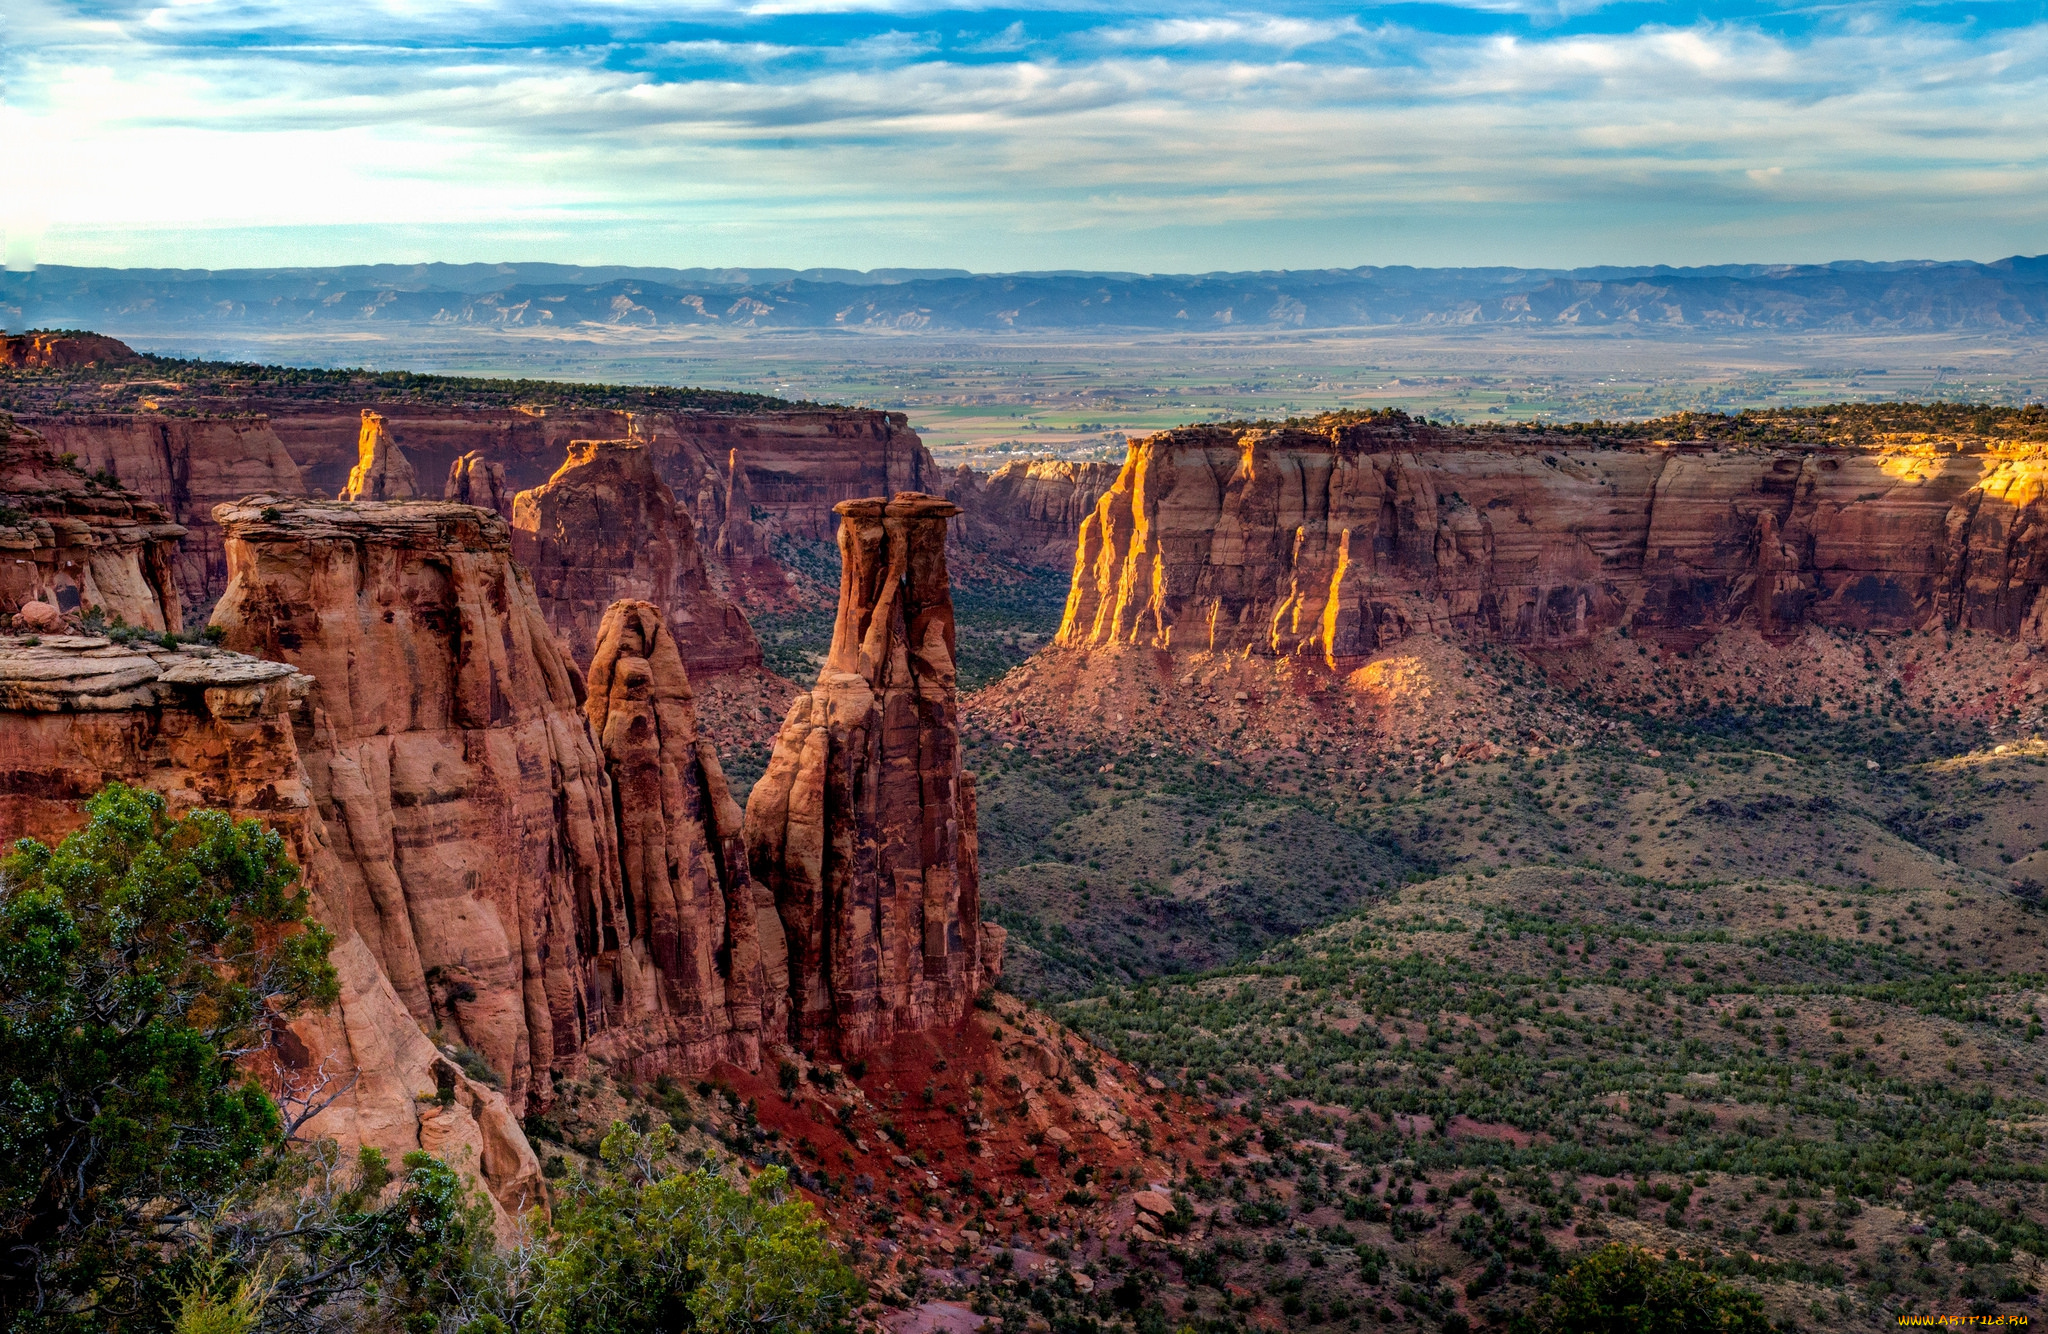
{"x":864,"y":824}
{"x":382,"y":471}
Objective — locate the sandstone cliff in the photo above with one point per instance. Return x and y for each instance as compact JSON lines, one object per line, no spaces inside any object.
{"x":73,"y":542}
{"x":382,"y":471}
{"x":792,"y":464}
{"x":208,"y":728}
{"x":44,"y":349}
{"x":606,"y":527}
{"x":703,"y":970}
{"x":1337,"y":541}
{"x":798,"y":462}
{"x":187,"y":465}
{"x":1030,"y":511}
{"x":863,"y":826}
{"x":447,"y":749}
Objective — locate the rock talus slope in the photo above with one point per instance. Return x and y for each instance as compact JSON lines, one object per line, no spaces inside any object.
{"x":211,"y":728}
{"x":606,"y":528}
{"x":863,"y":826}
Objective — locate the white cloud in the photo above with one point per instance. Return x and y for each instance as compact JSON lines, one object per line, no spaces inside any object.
{"x":1239,"y":122}
{"x":1259,"y":30}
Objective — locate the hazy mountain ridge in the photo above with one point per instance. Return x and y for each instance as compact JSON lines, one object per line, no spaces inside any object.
{"x":2006,"y":295}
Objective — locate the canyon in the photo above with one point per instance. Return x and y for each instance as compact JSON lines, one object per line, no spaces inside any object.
{"x":1328,"y":701}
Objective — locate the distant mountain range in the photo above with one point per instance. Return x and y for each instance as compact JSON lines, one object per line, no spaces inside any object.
{"x":2005,"y":295}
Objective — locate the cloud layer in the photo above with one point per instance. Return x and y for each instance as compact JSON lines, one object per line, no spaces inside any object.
{"x":1085,"y":135}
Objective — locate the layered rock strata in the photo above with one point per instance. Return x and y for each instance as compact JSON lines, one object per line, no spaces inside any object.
{"x":74,"y":542}
{"x":190,"y":451}
{"x":863,"y":826}
{"x":1335,"y":542}
{"x":448,"y":752}
{"x":704,"y":973}
{"x":604,"y":528}
{"x":382,"y":471}
{"x":211,"y":728}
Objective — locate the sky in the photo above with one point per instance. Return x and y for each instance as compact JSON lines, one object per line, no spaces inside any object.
{"x":1091,"y":134}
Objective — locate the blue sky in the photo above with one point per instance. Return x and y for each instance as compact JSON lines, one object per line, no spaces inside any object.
{"x":1112,"y":134}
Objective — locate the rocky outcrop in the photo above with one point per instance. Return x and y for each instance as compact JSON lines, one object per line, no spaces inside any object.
{"x":210,"y":728}
{"x":702,"y":964}
{"x":382,"y":471}
{"x":47,"y":350}
{"x":476,"y":480}
{"x":75,"y":542}
{"x":1331,"y":543}
{"x":863,"y":826}
{"x":446,"y":745}
{"x":187,"y":465}
{"x":606,"y":528}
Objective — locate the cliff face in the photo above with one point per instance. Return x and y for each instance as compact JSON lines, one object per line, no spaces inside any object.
{"x":703,"y":967}
{"x":863,"y":826}
{"x":606,"y":527}
{"x":187,"y":465}
{"x":448,"y":753}
{"x":797,"y":463}
{"x":1030,"y":511}
{"x":1332,"y":544}
{"x":71,"y":543}
{"x":793,"y":465}
{"x":208,"y":728}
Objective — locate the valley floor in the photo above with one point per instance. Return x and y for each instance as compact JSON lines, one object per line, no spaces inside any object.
{"x":1749,"y":966}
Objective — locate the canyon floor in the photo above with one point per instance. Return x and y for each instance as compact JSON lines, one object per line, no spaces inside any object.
{"x":1702,"y":969}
